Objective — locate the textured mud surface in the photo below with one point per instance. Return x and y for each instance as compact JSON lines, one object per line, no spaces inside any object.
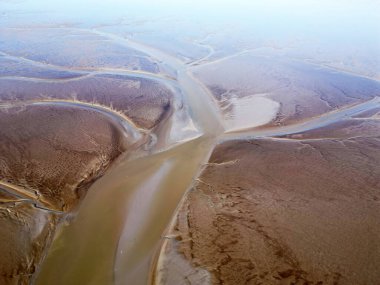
{"x":55,"y":152}
{"x":25,"y":231}
{"x":303,"y":90}
{"x":144,"y":101}
{"x":49,"y":155}
{"x":283,"y":211}
{"x":110,"y":110}
{"x":59,"y":47}
{"x":64,"y":120}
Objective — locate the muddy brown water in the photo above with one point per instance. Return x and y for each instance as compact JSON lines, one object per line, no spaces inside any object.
{"x":117,"y":230}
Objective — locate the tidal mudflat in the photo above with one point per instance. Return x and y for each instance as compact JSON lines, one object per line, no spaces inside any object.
{"x":291,"y":210}
{"x":141,"y":146}
{"x":293,"y":90}
{"x":50,"y":155}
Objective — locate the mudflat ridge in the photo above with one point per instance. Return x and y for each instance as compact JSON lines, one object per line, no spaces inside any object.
{"x":144,"y":101}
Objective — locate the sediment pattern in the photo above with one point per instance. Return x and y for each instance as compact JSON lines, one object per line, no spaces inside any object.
{"x":284,"y":211}
{"x":49,"y":156}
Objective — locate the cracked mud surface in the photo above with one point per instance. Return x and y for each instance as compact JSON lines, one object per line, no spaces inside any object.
{"x":283,"y":211}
